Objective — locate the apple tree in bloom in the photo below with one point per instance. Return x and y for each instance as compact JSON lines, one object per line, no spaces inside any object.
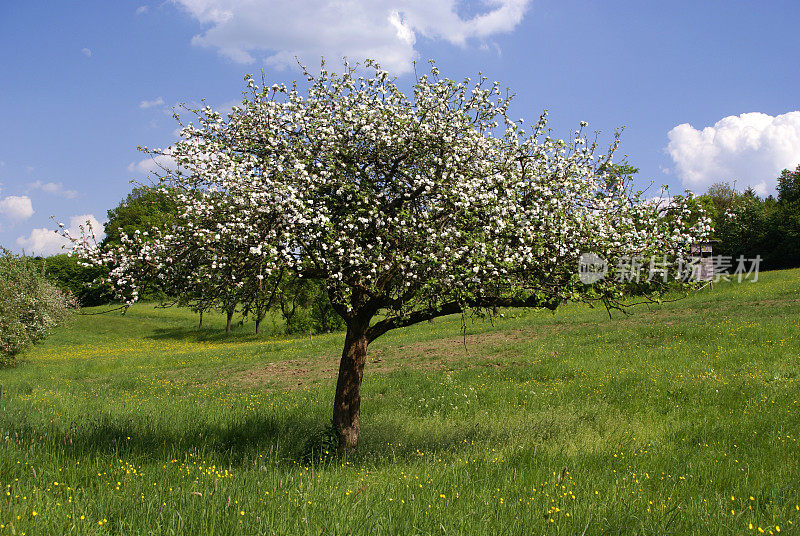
{"x":407,"y":207}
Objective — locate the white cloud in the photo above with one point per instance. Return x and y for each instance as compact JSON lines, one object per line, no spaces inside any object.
{"x":53,"y":188}
{"x":751,"y":148}
{"x":158,"y":164}
{"x":385,"y":30}
{"x":141,"y":10}
{"x":16,"y":207}
{"x":86,"y":52}
{"x":44,"y":241}
{"x":150,"y":103}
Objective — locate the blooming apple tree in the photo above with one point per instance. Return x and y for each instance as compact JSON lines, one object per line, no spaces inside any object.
{"x":406,"y":207}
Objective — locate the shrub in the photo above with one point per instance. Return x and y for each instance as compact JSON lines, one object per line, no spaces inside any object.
{"x":30,"y":305}
{"x":83,"y":282}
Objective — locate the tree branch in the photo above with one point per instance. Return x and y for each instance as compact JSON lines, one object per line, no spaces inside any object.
{"x":455,"y":307}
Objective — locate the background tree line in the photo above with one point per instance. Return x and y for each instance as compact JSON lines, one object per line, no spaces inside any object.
{"x":301,"y":304}
{"x":748,"y":225}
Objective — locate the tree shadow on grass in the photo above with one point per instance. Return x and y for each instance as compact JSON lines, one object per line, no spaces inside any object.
{"x":285,"y":440}
{"x":238,"y":334}
{"x":230,"y":442}
{"x":211,"y":336}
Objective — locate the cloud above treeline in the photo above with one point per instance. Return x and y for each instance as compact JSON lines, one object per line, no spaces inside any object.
{"x":157,"y":165}
{"x":46,"y":242}
{"x":751,"y":149}
{"x":385,"y":30}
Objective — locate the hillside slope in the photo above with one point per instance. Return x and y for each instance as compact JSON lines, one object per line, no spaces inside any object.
{"x":678,"y":419}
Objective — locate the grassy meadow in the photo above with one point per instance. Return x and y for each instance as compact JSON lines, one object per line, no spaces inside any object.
{"x":678,"y":419}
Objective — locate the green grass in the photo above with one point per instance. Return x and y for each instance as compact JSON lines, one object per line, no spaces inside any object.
{"x":679,"y":419}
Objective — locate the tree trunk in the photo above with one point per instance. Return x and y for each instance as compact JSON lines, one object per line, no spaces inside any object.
{"x":347,"y":404}
{"x":228,"y":323}
{"x":288,"y":315}
{"x":258,"y":323}
{"x":201,"y":319}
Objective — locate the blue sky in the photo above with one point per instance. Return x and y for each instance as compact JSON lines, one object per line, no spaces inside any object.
{"x":707,"y":91}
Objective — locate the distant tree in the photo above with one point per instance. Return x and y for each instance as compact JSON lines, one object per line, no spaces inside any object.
{"x":722,"y":197}
{"x":789,"y":186}
{"x":743,"y":228}
{"x":144,"y":209}
{"x":30,"y":304}
{"x":259,"y":295}
{"x":788,"y":214}
{"x":294,"y":298}
{"x":406,"y":209}
{"x":324,"y":318}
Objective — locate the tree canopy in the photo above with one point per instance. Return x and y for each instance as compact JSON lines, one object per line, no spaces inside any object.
{"x":144,"y":208}
{"x":406,"y":208}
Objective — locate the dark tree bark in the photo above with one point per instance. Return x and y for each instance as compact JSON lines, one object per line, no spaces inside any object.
{"x":288,"y":314}
{"x":201,"y":318}
{"x":347,"y":404}
{"x":258,"y":323}
{"x":229,"y":317}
